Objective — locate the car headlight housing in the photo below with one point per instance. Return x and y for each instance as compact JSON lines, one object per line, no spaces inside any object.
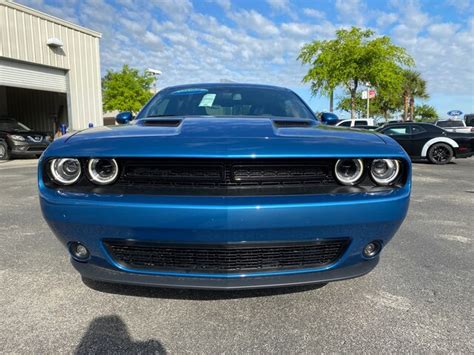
{"x":385,"y":171}
{"x":17,"y":138}
{"x":102,"y":171}
{"x":65,"y":171}
{"x":349,"y":171}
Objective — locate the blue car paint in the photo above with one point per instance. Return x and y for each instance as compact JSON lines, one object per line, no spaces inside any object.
{"x":89,"y":218}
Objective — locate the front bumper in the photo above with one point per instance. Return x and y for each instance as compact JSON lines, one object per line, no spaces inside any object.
{"x":95,"y":272}
{"x":26,"y":149}
{"x":91,"y":218}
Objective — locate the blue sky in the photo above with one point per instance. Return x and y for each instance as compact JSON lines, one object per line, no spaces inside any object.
{"x":258,"y":40}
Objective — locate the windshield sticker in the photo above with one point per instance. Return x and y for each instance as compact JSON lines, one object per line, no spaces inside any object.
{"x":192,"y":91}
{"x":207,"y":100}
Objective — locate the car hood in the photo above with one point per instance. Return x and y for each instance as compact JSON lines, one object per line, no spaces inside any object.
{"x":224,"y":137}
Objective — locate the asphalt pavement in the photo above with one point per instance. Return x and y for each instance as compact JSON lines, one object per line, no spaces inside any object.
{"x":418,"y":299}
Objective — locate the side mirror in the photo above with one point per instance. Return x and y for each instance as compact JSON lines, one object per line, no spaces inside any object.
{"x":124,"y":117}
{"x":329,"y":118}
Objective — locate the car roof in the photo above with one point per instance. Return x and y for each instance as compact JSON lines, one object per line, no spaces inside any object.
{"x":229,"y":85}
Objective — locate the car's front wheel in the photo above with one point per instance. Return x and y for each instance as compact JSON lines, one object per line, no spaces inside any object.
{"x":4,"y":152}
{"x":440,"y":153}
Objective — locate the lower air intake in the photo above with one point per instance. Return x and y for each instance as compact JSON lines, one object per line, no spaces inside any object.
{"x":226,"y":258}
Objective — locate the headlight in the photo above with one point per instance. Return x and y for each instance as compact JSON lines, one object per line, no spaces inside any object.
{"x":349,"y":171}
{"x":102,"y":171}
{"x":17,"y":138}
{"x":385,"y":171}
{"x":65,"y":171}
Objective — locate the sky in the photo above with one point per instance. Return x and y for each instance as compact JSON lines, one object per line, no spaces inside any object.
{"x":258,"y":41}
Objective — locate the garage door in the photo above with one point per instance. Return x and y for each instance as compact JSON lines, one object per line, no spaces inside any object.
{"x":32,"y":76}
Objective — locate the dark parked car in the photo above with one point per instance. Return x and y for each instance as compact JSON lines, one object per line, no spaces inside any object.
{"x":427,"y":141}
{"x":16,"y":139}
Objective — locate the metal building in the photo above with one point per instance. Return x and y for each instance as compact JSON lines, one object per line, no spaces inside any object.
{"x":49,"y":70}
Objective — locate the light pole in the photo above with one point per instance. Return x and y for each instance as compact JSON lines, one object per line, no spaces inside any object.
{"x":155,"y":73}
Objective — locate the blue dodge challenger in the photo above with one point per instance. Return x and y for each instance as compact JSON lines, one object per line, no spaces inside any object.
{"x":224,"y":186}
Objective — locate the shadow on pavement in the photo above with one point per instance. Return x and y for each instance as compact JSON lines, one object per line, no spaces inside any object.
{"x":109,"y":335}
{"x":190,"y":294}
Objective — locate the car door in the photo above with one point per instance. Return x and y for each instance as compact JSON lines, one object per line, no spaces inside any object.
{"x":419,"y":136}
{"x":402,"y":134}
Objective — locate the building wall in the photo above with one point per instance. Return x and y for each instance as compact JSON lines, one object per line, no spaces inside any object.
{"x":23,"y":36}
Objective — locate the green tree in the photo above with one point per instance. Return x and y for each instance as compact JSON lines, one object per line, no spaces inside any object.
{"x":125,"y":90}
{"x":413,"y":86}
{"x":425,"y":113}
{"x":389,"y":101}
{"x":383,"y":105}
{"x":345,"y":104}
{"x":353,"y":58}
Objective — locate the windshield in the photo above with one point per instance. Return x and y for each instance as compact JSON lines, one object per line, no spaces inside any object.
{"x":450,"y":124}
{"x":227,"y":101}
{"x":12,"y":125}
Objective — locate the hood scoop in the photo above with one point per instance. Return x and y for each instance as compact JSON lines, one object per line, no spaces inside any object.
{"x":159,"y":122}
{"x":292,"y":123}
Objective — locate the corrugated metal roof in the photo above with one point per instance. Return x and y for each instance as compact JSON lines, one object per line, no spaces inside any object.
{"x":51,"y":18}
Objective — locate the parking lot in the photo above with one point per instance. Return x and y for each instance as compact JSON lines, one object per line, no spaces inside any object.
{"x":418,"y":299}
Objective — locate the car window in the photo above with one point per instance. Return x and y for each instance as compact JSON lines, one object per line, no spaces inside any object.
{"x":450,"y":123}
{"x":12,"y":125}
{"x":469,"y":119}
{"x":227,"y":101}
{"x":360,"y":123}
{"x":417,"y":129}
{"x":397,"y":131}
{"x":345,"y":124}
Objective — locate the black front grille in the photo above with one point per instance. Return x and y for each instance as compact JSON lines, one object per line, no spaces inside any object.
{"x":199,"y":176}
{"x":226,"y":258}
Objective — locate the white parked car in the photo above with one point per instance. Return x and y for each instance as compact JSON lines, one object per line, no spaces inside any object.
{"x":357,"y":122}
{"x":458,"y":126}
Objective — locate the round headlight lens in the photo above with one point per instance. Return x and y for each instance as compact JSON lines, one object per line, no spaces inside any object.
{"x":103,"y":171}
{"x":65,"y":171}
{"x":385,"y":171}
{"x":349,"y":171}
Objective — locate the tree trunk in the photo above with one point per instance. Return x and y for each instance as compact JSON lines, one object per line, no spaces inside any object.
{"x":353,"y":105}
{"x":405,"y":107}
{"x":412,"y":108}
{"x":331,"y":101}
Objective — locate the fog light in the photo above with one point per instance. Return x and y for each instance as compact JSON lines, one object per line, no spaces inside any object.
{"x":79,"y":251}
{"x":372,"y":249}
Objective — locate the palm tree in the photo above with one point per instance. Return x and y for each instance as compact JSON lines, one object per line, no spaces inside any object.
{"x":413,"y":86}
{"x":418,"y":91}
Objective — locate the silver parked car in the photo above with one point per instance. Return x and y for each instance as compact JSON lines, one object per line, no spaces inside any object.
{"x":458,"y":126}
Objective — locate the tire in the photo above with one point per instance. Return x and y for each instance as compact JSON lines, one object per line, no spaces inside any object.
{"x":440,"y":153}
{"x":4,"y":151}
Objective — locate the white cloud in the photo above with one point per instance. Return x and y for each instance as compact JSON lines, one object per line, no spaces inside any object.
{"x":255,"y":22}
{"x":250,"y":46}
{"x":174,"y":9}
{"x":352,"y":11}
{"x":279,"y":5}
{"x":443,"y":51}
{"x":384,"y":19}
{"x":460,"y":5}
{"x":314,"y":13}
{"x":225,"y":4}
